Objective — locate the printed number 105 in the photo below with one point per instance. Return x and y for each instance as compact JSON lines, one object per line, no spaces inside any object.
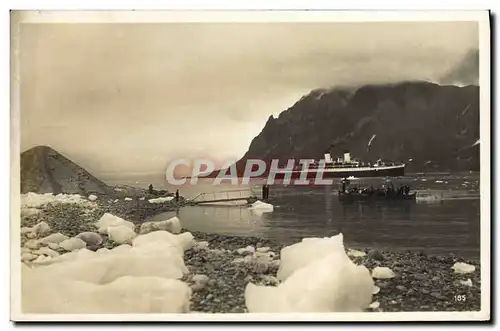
{"x":460,"y":297}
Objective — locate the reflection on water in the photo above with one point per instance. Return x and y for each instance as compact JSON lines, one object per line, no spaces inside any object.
{"x":445,"y":220}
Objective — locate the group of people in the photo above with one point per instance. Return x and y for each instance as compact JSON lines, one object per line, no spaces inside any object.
{"x":379,"y":191}
{"x":151,"y":190}
{"x":388,"y":190}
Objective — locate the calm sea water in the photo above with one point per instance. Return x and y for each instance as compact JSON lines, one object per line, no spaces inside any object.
{"x":444,"y":219}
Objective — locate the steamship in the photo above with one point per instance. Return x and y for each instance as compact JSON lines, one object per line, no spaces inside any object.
{"x":342,"y":168}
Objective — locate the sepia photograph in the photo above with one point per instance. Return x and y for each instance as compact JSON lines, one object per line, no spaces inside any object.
{"x":250,"y":166}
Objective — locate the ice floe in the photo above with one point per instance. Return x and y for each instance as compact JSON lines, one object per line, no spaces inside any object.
{"x":35,"y":200}
{"x":172,"y":225}
{"x":121,"y":234}
{"x":39,"y":229}
{"x":55,"y":238}
{"x":299,"y":255}
{"x":463,"y":268}
{"x":355,"y":253}
{"x":161,"y":200}
{"x":139,"y":278}
{"x":383,"y":273}
{"x":72,"y":244}
{"x":330,"y":282}
{"x":467,"y":282}
{"x":108,"y":220}
{"x":260,"y":207}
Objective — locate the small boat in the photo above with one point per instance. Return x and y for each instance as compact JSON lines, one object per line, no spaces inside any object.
{"x":351,"y":194}
{"x":359,"y":196}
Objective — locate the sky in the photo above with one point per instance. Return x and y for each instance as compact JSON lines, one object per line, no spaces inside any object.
{"x":127,"y":98}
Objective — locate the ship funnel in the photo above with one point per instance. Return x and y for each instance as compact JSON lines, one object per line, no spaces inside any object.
{"x":328,"y":158}
{"x":347,"y":156}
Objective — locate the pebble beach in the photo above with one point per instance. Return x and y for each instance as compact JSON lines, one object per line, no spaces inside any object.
{"x":220,"y":266}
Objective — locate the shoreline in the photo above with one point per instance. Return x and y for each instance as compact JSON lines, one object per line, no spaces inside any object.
{"x":422,"y":282}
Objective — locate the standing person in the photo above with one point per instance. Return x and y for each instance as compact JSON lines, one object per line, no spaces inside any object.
{"x":177,"y":195}
{"x":264,"y":192}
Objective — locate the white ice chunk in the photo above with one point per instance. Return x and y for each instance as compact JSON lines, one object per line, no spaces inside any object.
{"x":41,"y":229}
{"x":128,"y":199}
{"x":332,"y":283}
{"x":55,"y":238}
{"x":121,"y":234}
{"x":261,"y":207}
{"x":467,"y":282}
{"x":161,"y":200}
{"x":263,"y":249}
{"x":26,"y":257}
{"x":299,"y":255}
{"x":182,"y":242}
{"x":47,"y":251}
{"x":186,"y":240}
{"x":355,"y":253}
{"x":246,"y":250}
{"x":172,"y":225}
{"x":374,"y":305}
{"x":34,"y":200}
{"x":25,"y":230}
{"x":150,"y":260}
{"x":92,"y":197}
{"x":126,"y":295}
{"x":29,"y":211}
{"x":42,"y":259}
{"x":202,"y":279}
{"x":72,"y":244}
{"x":108,"y":220}
{"x":383,"y":273}
{"x":463,"y":268}
{"x":32,"y":244}
{"x":201,"y":245}
{"x":91,"y":238}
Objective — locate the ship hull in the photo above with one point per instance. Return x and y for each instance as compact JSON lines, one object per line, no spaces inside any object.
{"x":391,"y":171}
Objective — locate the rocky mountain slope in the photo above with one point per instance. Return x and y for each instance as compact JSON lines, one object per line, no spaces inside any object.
{"x":43,"y":170}
{"x":430,"y":127}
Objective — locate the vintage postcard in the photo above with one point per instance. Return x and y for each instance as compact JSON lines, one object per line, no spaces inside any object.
{"x":250,"y":166}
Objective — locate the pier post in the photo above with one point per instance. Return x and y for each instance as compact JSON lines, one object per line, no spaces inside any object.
{"x":265,"y":192}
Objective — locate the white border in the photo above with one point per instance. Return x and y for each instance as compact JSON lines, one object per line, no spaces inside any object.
{"x":261,"y":16}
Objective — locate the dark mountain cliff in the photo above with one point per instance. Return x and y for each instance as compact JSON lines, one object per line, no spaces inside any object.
{"x":43,"y":170}
{"x":434,"y":125}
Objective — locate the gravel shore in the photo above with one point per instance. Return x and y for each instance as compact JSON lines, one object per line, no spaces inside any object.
{"x":421,"y":282}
